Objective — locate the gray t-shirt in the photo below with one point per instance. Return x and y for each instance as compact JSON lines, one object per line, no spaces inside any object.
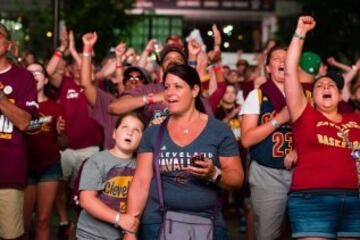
{"x":183,"y":192}
{"x":111,"y":177}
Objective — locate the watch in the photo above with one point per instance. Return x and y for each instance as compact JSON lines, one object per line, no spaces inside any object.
{"x":275,"y":123}
{"x":217,"y":176}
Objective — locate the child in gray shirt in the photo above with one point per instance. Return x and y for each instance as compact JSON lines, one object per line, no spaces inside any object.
{"x":105,"y":181}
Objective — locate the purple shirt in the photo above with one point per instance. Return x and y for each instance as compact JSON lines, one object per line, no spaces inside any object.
{"x":101,"y":115}
{"x":19,"y":88}
{"x":82,"y":130}
{"x":150,"y":110}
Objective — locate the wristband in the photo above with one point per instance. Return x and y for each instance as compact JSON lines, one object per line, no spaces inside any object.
{"x":86,"y":54}
{"x":150,"y":98}
{"x":119,"y":66}
{"x":192,"y":63}
{"x":217,"y":68}
{"x":117,"y":218}
{"x":298,"y":35}
{"x":87,"y":49}
{"x":275,"y":123}
{"x":58,"y":54}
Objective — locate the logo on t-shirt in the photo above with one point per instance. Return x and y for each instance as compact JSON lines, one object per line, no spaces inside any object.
{"x":116,"y":188}
{"x":41,"y":124}
{"x":32,"y":104}
{"x":342,"y":135}
{"x":71,"y":94}
{"x":178,"y":161}
{"x":6,"y":128}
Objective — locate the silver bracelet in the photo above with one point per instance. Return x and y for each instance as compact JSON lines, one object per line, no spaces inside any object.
{"x":117,"y":218}
{"x":275,"y":123}
{"x":144,"y":98}
{"x":298,"y":35}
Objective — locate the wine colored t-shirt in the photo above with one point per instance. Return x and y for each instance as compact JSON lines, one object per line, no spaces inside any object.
{"x":324,"y":159}
{"x":19,"y":87}
{"x":43,"y":149}
{"x":82,"y":130}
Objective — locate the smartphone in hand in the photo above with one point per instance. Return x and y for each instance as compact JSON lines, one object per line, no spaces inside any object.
{"x":195,"y":158}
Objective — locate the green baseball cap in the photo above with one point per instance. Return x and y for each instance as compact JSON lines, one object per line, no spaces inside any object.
{"x":310,"y":62}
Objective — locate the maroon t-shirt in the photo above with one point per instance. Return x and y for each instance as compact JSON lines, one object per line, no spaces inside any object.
{"x":43,"y":149}
{"x":324,"y":160}
{"x":19,"y":88}
{"x":82,"y":130}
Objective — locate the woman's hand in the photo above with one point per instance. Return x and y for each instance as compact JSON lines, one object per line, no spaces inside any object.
{"x":204,"y":169}
{"x":120,"y":50}
{"x":194,"y":48}
{"x":305,"y":24}
{"x":89,"y":39}
{"x":60,"y":125}
{"x":217,"y":38}
{"x":129,"y":222}
{"x":290,"y":159}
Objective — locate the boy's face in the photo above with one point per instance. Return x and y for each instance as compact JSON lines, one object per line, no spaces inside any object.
{"x":128,"y":134}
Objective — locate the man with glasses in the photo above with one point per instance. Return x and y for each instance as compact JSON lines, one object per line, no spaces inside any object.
{"x":17,"y":104}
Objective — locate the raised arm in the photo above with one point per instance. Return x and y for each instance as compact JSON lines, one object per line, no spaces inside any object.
{"x":89,"y":40}
{"x":332,"y":61}
{"x":129,"y":103}
{"x":295,"y":98}
{"x":56,"y":58}
{"x":145,"y":54}
{"x":72,"y":48}
{"x":348,"y":77}
{"x":119,"y":68}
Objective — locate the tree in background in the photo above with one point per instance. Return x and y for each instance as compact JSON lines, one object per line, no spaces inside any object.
{"x":337,"y":32}
{"x":107,"y":18}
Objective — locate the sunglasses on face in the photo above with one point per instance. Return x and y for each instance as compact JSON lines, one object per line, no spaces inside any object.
{"x":134,"y":78}
{"x":37,"y":73}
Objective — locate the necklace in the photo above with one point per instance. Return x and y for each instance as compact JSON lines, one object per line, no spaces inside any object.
{"x":186,"y":130}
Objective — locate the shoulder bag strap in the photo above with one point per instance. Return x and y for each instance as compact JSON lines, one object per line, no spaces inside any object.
{"x":157,"y":166}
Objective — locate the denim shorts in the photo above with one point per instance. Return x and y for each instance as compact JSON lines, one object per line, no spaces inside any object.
{"x":49,"y":174}
{"x":326,"y":214}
